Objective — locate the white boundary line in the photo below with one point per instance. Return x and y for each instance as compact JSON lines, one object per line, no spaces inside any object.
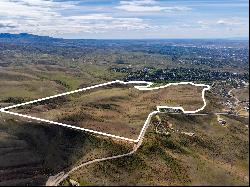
{"x":142,"y":132}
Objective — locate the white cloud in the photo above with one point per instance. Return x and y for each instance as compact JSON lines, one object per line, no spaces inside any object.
{"x":230,"y":22}
{"x":45,"y":17}
{"x":222,"y":22}
{"x":203,"y":25}
{"x":32,"y":8}
{"x":127,"y":19}
{"x":148,"y":6}
{"x":138,"y":2}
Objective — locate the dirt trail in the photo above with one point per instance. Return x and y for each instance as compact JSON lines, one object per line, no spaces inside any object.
{"x":58,"y":178}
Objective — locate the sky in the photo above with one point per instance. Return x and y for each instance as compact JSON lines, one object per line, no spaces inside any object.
{"x":126,"y":19}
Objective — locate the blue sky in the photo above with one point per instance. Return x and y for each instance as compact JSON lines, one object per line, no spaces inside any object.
{"x":135,"y":19}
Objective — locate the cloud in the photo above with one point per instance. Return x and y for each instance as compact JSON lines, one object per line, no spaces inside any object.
{"x":46,"y":17}
{"x":230,"y":22}
{"x":148,"y":6}
{"x":125,"y":19}
{"x":139,"y":2}
{"x":221,"y":22}
{"x":202,"y":25}
{"x":3,"y":25}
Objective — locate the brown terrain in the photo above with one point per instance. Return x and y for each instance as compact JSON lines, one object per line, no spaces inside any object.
{"x":242,"y":93}
{"x":116,"y":109}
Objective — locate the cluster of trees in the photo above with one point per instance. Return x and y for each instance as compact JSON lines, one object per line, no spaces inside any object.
{"x":180,"y":74}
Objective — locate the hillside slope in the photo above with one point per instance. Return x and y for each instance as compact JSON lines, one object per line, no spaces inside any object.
{"x":213,"y":155}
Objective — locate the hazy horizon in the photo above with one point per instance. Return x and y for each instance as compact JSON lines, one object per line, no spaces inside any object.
{"x":232,"y":38}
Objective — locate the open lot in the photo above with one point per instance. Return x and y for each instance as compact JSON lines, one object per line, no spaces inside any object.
{"x":241,"y":93}
{"x":115,"y":109}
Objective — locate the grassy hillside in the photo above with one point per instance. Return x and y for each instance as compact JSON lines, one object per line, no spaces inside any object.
{"x":115,"y":109}
{"x":36,"y":67}
{"x":214,"y":155}
{"x":30,"y":152}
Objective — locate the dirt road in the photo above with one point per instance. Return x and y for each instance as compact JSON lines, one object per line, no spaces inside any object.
{"x":58,"y":178}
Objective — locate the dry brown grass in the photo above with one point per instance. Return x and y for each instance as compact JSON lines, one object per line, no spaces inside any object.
{"x":242,"y":94}
{"x":116,"y":109}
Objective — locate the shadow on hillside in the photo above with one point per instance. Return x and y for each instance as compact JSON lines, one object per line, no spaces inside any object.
{"x":44,"y":150}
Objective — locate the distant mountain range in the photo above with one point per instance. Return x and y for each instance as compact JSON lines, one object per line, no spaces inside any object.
{"x":27,"y":36}
{"x":22,"y":35}
{"x":46,"y":42}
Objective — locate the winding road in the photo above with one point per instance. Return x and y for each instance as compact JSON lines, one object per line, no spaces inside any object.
{"x":58,"y":178}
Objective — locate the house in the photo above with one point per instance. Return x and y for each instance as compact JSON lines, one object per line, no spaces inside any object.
{"x":222,"y":122}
